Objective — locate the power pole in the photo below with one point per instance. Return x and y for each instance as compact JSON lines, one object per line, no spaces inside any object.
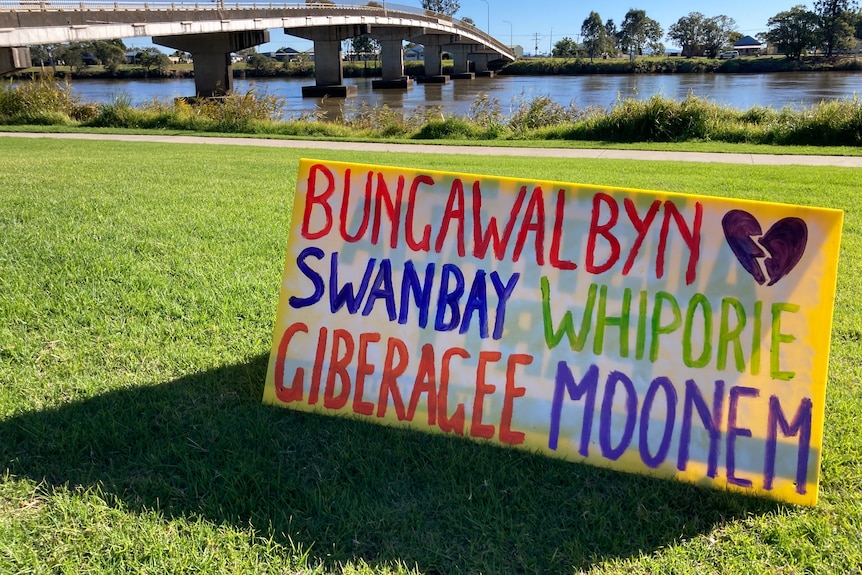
{"x":535,"y":44}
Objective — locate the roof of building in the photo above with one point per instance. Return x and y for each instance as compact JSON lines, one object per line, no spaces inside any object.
{"x":747,"y":42}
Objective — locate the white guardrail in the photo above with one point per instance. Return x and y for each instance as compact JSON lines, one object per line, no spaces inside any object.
{"x":76,"y":6}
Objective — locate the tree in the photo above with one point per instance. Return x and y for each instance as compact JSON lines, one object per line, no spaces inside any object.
{"x":72,"y":55}
{"x":40,"y":55}
{"x":697,"y":34}
{"x":638,"y":32}
{"x":716,"y":34}
{"x":364,"y":46}
{"x":835,"y":18}
{"x":152,"y":59}
{"x":565,"y":48}
{"x":613,"y":36}
{"x":594,"y":35}
{"x":793,"y":31}
{"x":468,"y":20}
{"x":687,"y":32}
{"x":448,"y":7}
{"x":45,"y":54}
{"x":262,"y":65}
{"x":110,"y":53}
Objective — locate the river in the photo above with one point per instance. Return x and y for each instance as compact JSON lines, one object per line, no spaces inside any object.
{"x":742,"y":91}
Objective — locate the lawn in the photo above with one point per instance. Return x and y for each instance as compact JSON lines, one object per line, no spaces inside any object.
{"x":138,"y":286}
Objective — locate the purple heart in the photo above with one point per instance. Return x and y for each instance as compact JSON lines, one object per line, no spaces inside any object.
{"x":785,"y":243}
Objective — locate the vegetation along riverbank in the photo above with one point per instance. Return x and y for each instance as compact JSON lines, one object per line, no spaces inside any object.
{"x":261,"y":66}
{"x":49,"y":102}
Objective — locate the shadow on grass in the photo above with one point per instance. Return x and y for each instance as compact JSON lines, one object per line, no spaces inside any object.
{"x":350,"y":490}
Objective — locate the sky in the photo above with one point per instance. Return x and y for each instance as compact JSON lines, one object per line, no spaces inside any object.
{"x":546,"y":22}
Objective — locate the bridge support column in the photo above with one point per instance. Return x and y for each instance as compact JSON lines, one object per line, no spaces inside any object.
{"x":211,"y":54}
{"x":433,"y":64}
{"x":433,"y":44}
{"x":392,"y":66}
{"x":12,"y":59}
{"x":392,"y":57}
{"x":460,"y":61}
{"x":480,"y":65}
{"x":328,"y":73}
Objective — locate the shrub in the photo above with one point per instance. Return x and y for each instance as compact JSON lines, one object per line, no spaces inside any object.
{"x":43,"y":100}
{"x":448,"y":129}
{"x":117,"y":113}
{"x":302,"y":68}
{"x":260,"y":65}
{"x":540,"y":112}
{"x":833,"y":123}
{"x":240,"y":112}
{"x":485,"y":111}
{"x":657,"y":119}
{"x":367,"y":117}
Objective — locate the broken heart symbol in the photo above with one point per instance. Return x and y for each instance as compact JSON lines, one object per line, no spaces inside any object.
{"x":784,"y":242}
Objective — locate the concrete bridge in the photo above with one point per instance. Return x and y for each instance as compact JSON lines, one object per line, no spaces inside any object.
{"x":212,"y":30}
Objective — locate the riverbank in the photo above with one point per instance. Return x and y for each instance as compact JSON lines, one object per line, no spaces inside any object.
{"x":678,"y":65}
{"x":656,"y":119}
{"x":521,"y":67}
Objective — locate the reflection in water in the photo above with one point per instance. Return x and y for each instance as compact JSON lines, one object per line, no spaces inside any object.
{"x":741,"y":91}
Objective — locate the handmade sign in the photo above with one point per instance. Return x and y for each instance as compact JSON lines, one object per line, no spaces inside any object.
{"x":672,"y":335}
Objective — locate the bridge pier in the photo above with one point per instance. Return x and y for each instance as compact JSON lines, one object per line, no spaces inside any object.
{"x":461,"y":61}
{"x":328,"y":70}
{"x":480,"y":64}
{"x":211,"y":54}
{"x":392,"y":58}
{"x":392,"y":67}
{"x":433,"y":44}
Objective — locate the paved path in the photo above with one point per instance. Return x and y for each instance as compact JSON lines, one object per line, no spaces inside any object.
{"x":762,"y":159}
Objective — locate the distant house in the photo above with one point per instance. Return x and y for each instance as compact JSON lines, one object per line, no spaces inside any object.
{"x":290,"y":55}
{"x":748,"y":46}
{"x":415,"y":52}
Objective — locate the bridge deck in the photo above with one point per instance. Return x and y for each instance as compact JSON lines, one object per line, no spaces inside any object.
{"x":26,"y":22}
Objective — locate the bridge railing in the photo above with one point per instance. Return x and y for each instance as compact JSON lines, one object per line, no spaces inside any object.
{"x":77,"y":5}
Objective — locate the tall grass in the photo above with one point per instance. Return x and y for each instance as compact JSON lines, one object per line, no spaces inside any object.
{"x":656,"y":119}
{"x":41,"y":101}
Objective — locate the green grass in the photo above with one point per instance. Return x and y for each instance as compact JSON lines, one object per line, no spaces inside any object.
{"x":717,"y":147}
{"x":138,"y":285}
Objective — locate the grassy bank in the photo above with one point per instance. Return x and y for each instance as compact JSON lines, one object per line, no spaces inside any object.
{"x":139,"y":285}
{"x":48,"y":102}
{"x":678,"y":65}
